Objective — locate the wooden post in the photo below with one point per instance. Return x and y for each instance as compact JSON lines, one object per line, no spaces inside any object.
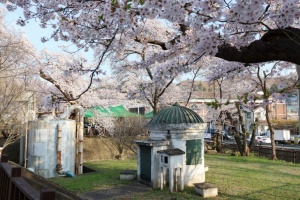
{"x":13,"y":186}
{"x":3,"y":158}
{"x":15,"y":172}
{"x":47,"y":194}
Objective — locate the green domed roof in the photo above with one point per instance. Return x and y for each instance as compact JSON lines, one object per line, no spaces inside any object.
{"x":176,"y":114}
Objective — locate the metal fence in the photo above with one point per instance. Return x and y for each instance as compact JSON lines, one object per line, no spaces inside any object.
{"x":14,"y":187}
{"x":286,"y":154}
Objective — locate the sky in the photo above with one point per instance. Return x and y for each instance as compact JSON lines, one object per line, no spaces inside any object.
{"x":33,"y":32}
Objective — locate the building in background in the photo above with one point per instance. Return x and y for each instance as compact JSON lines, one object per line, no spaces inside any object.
{"x":203,"y":93}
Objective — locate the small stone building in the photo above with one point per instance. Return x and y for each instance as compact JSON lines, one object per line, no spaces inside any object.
{"x":173,"y":128}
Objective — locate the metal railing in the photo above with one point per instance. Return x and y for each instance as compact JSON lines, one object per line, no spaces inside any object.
{"x":289,"y":155}
{"x":14,"y":187}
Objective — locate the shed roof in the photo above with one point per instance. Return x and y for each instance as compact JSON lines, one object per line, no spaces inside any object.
{"x":172,"y":152}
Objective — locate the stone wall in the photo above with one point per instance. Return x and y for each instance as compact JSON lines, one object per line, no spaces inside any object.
{"x":96,"y":148}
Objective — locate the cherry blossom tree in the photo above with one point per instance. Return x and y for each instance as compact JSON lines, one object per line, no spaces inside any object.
{"x":197,"y":71}
{"x":243,"y":31}
{"x":17,"y":61}
{"x":70,"y":74}
{"x":286,"y":84}
{"x":146,"y":71}
{"x":110,"y":93}
{"x":232,"y":96}
{"x":248,"y":82}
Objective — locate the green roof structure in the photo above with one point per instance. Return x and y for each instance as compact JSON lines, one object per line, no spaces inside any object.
{"x":120,"y":111}
{"x":116,"y":111}
{"x":149,"y":114}
{"x":176,"y":114}
{"x":99,"y":111}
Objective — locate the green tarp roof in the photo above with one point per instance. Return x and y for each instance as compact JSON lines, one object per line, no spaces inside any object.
{"x":120,"y":111}
{"x":149,"y":114}
{"x":116,"y":111}
{"x":99,"y":111}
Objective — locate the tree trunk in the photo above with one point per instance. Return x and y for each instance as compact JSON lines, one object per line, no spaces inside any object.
{"x":245,"y":145}
{"x":274,"y":157}
{"x":253,"y":133}
{"x":218,"y":142}
{"x":238,"y":143}
{"x":155,"y":105}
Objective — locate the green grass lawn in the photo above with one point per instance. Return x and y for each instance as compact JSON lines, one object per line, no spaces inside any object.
{"x":236,"y":178}
{"x":106,"y":176}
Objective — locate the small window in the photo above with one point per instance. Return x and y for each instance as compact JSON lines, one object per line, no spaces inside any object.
{"x":166,"y":160}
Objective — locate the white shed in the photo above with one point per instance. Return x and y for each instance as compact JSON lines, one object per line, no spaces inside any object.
{"x":174,"y":127}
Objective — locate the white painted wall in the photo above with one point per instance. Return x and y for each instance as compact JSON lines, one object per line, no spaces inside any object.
{"x":177,"y":134}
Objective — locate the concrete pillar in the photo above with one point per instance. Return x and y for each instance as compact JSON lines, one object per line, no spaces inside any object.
{"x":181,"y":179}
{"x":175,"y":180}
{"x":161,"y":173}
{"x":171,"y":180}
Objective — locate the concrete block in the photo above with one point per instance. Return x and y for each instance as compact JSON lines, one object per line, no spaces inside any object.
{"x":206,"y":190}
{"x":205,"y":168}
{"x":128,"y":174}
